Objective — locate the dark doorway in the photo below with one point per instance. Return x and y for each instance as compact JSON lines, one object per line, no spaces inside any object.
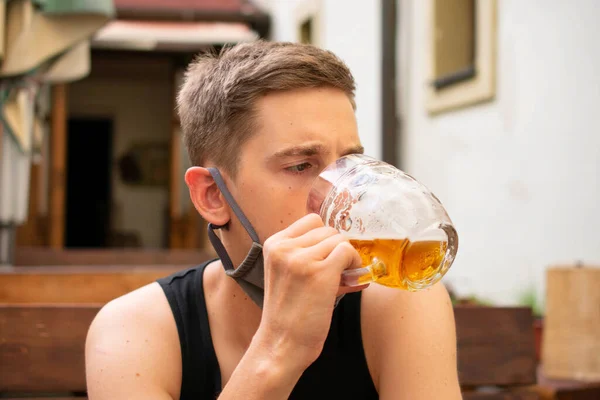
{"x":89,"y":161}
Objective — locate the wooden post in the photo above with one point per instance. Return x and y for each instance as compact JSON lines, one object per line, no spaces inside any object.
{"x":58,"y":161}
{"x":1,"y":144}
{"x":186,"y":226}
{"x":28,"y":233}
{"x":571,"y":341}
{"x":193,"y":225}
{"x":175,"y":212}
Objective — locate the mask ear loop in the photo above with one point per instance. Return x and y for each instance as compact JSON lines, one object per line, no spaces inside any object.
{"x":212,"y":236}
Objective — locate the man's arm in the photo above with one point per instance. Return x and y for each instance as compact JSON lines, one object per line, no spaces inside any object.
{"x":131,"y":354}
{"x":132,"y":349}
{"x":410,"y":343}
{"x":303,"y":264}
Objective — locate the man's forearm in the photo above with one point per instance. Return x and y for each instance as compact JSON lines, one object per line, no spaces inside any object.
{"x":262,"y":374}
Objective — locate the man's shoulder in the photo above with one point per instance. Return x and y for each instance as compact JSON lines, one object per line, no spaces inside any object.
{"x":135,"y":336}
{"x":392,"y":318}
{"x":404,"y":302}
{"x":147,"y":305}
{"x":142,"y":314}
{"x":389,"y":310}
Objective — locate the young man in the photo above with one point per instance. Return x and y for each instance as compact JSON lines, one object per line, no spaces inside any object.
{"x":260,"y":122}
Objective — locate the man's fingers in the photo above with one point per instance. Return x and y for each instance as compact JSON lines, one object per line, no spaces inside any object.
{"x":323,"y":249}
{"x":351,"y":289}
{"x":343,"y":257}
{"x":315,"y":237}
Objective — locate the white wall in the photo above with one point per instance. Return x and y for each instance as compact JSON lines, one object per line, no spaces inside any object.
{"x":519,"y":176}
{"x":142,"y":112}
{"x":352,"y":30}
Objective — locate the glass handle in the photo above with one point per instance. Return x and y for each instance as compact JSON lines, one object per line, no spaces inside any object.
{"x":362,"y":276}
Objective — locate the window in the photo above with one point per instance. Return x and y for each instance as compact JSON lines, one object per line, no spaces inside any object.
{"x":462,"y":54}
{"x":454,"y":47}
{"x":306,"y":31}
{"x":308,"y":22}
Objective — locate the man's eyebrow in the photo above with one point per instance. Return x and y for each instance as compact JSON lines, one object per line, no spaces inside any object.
{"x":354,"y":150}
{"x":307,"y":150}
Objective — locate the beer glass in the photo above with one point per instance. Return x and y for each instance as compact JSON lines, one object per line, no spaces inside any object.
{"x":401,"y":230}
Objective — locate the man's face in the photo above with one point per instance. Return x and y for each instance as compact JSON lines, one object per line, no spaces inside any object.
{"x":299,"y":133}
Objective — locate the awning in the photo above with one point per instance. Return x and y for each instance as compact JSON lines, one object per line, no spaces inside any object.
{"x":225,"y":6}
{"x":169,"y":35}
{"x":241,"y":11}
{"x":45,"y":41}
{"x":37,"y":33}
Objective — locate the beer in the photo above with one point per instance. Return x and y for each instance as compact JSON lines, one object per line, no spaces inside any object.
{"x":400,"y":260}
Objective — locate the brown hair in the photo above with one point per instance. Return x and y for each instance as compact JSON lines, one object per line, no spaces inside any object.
{"x":216,"y":100}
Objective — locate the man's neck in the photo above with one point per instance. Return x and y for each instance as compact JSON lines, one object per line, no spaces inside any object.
{"x":236,"y":310}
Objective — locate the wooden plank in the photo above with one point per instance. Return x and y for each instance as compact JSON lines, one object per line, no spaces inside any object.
{"x":75,"y":284}
{"x":33,"y":256}
{"x":571,"y":345}
{"x":546,"y":393}
{"x":42,"y":347}
{"x":45,"y":398}
{"x":495,"y":346}
{"x":58,"y":159}
{"x":501,"y":396}
{"x":565,"y":389}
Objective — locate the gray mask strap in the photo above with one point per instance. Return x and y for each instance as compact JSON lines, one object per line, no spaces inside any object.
{"x":219,"y":248}
{"x":232,"y":203}
{"x":212,"y":236}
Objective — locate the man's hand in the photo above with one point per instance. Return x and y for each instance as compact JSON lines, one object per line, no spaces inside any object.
{"x":303,"y":266}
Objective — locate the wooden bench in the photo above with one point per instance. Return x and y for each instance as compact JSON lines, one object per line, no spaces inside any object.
{"x":496,"y":353}
{"x":564,"y":389}
{"x":76,"y":284}
{"x":42,"y":256}
{"x":42,"y":351}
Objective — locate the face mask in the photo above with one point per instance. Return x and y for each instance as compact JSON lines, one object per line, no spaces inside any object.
{"x":250,"y":274}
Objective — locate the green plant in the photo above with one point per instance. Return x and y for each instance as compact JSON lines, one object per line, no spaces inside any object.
{"x":466,"y":300}
{"x":529,"y":298}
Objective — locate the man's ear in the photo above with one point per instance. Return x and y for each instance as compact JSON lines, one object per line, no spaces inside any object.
{"x":206,"y":196}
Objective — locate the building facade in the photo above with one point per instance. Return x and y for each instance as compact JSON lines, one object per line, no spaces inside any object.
{"x":496,"y":107}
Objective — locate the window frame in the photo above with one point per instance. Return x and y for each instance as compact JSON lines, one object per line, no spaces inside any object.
{"x":471,"y":86}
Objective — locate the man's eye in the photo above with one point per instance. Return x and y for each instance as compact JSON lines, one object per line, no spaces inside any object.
{"x":300,"y":168}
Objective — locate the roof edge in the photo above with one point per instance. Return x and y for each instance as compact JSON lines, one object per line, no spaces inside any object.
{"x":258,"y":20}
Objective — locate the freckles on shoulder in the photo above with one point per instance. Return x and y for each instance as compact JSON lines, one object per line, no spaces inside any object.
{"x":394,"y":307}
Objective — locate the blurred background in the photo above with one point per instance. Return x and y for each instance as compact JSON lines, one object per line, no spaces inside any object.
{"x":490,"y":104}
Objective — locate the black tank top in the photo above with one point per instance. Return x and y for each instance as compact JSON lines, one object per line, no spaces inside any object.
{"x":340,"y":372}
